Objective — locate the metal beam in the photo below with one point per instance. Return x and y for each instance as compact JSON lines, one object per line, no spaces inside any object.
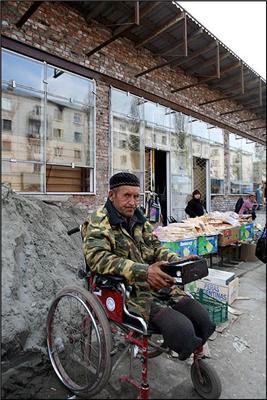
{"x":35,"y":5}
{"x":185,"y":36}
{"x":239,"y":109}
{"x":169,"y":48}
{"x":218,"y":69}
{"x":248,"y":120}
{"x":122,"y":31}
{"x":215,"y":100}
{"x":174,"y":59}
{"x":119,"y":33}
{"x":172,"y":21}
{"x":260,"y":92}
{"x":208,"y":63}
{"x":242,"y":78}
{"x":259,"y":127}
{"x":223,"y":73}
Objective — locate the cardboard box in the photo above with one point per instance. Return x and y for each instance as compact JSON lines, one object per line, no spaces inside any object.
{"x":229,"y":236}
{"x":224,"y":293}
{"x":246,"y":231}
{"x":247,"y":252}
{"x":219,"y":277}
{"x":186,"y":247}
{"x":207,"y":244}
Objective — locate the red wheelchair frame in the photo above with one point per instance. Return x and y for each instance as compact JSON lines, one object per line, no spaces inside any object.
{"x":104,"y":318}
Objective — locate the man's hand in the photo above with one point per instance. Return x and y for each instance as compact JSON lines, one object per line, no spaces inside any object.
{"x":156,"y":278}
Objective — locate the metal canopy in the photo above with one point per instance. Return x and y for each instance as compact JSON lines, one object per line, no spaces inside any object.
{"x":179,"y":40}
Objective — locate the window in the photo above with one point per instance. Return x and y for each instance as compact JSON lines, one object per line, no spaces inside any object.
{"x":58,"y":151}
{"x":7,"y":124}
{"x":77,"y":137}
{"x":34,"y":128}
{"x":241,"y":165}
{"x":37,"y":110}
{"x":36,"y":140}
{"x":6,"y":104}
{"x":58,"y":114}
{"x":6,"y":145}
{"x":77,"y":118}
{"x":57,"y":133}
{"x":77,"y":155}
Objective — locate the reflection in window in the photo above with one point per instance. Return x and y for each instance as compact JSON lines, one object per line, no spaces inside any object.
{"x":246,"y":161}
{"x":7,"y":124}
{"x":217,"y":168}
{"x":57,"y":133}
{"x":77,"y":155}
{"x":77,"y":137}
{"x":77,"y":118}
{"x":7,"y":104}
{"x":23,"y":177}
{"x":52,"y":112}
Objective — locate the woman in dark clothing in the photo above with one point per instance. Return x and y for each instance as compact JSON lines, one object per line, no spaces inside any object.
{"x":194,"y":207}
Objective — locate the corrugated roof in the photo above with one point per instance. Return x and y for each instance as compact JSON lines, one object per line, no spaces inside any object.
{"x":170,"y":32}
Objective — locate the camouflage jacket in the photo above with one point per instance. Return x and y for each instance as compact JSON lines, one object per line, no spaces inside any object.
{"x":109,"y":248}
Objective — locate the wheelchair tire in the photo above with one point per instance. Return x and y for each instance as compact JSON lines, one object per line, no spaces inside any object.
{"x":79,"y":341}
{"x":211,"y":387}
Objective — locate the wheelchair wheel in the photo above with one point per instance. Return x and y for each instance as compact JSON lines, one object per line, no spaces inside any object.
{"x":79,"y":341}
{"x":207,"y":383}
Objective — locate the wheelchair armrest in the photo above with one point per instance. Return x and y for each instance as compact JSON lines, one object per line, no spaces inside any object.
{"x":110,"y":281}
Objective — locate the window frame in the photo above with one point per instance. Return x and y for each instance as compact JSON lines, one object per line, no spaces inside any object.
{"x":73,"y":69}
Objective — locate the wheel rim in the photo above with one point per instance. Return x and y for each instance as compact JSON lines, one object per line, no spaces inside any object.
{"x":74,"y":343}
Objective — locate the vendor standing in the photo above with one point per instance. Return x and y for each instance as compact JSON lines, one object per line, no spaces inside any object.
{"x":195,"y":207}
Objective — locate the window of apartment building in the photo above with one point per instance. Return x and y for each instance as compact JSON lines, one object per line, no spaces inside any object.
{"x":45,"y":108}
{"x":77,"y":155}
{"x":57,"y":133}
{"x":77,"y":118}
{"x":58,"y":113}
{"x":6,"y":124}
{"x":58,"y":151}
{"x":246,"y":164}
{"x":34,"y":127}
{"x":6,"y":104}
{"x":77,"y":137}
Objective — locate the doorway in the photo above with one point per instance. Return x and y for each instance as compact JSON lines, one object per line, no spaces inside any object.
{"x":156,"y":177}
{"x":201,"y":179}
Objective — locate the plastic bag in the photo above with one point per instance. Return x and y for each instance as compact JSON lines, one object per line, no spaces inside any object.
{"x":261,"y":247}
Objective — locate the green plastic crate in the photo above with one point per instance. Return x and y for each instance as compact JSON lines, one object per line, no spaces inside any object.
{"x":217,"y":310}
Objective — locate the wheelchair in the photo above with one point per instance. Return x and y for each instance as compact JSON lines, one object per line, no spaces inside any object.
{"x":90,"y":330}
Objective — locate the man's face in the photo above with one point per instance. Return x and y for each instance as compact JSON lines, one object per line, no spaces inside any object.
{"x":125,"y":199}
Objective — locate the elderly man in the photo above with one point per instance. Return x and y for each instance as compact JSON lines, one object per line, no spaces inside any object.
{"x":119,"y":240}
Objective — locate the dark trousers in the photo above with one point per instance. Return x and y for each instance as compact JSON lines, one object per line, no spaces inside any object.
{"x":184,"y":326}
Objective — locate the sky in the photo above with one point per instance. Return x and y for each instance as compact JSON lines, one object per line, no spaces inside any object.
{"x":239,"y":25}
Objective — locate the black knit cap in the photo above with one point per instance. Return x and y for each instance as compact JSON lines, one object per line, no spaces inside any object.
{"x":123,"y":179}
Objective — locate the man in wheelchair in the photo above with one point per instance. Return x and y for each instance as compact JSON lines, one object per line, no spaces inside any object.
{"x":118,"y":240}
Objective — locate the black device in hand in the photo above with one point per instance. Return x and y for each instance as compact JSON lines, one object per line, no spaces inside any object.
{"x":187,"y":271}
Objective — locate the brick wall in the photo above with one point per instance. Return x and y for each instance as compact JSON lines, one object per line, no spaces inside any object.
{"x":61,"y":31}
